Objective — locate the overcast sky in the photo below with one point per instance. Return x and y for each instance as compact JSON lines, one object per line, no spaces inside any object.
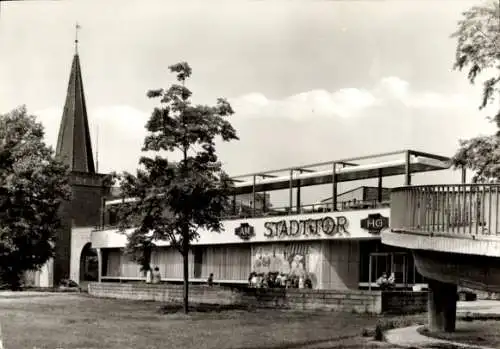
{"x":309,"y":80}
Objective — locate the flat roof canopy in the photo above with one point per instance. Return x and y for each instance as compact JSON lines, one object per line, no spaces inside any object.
{"x":346,"y":170}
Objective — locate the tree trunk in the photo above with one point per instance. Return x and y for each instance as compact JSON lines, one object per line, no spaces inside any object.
{"x":185,"y":257}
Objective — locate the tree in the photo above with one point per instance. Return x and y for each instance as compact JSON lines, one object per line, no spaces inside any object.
{"x":482,"y":155}
{"x":174,"y":200}
{"x":33,"y":184}
{"x":478,"y":50}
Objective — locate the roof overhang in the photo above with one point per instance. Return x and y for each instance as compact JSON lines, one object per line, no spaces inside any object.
{"x":346,"y":174}
{"x":345,"y":170}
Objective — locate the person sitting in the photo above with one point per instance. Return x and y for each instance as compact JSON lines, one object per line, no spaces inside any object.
{"x":263,"y":281}
{"x":251,"y":277}
{"x":283,"y":280}
{"x":382,"y":281}
{"x":254,"y":280}
{"x":277,"y":280}
{"x":210,"y":280}
{"x":156,"y":276}
{"x":391,"y":281}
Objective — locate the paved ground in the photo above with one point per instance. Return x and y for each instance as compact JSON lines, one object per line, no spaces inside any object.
{"x":409,"y":337}
{"x":477,"y":334}
{"x":479,"y":307}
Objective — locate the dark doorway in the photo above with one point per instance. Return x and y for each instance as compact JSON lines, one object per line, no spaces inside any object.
{"x":89,"y":266}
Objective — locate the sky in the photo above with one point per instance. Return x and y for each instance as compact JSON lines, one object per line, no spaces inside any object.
{"x":309,"y":81}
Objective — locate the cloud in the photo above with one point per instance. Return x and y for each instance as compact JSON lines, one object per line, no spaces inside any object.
{"x":117,"y":133}
{"x":346,"y":102}
{"x":307,"y":127}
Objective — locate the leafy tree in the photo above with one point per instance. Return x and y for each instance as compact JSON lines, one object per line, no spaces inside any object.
{"x":33,"y":184}
{"x":478,"y":50}
{"x":482,"y":155}
{"x":174,"y":200}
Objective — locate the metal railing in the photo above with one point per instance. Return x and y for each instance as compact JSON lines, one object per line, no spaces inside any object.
{"x":247,"y":212}
{"x":244,"y":212}
{"x":465,"y":209}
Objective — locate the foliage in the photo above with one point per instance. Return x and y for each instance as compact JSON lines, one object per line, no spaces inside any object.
{"x":478,"y":50}
{"x":174,"y":200}
{"x":33,"y":184}
{"x":482,"y":155}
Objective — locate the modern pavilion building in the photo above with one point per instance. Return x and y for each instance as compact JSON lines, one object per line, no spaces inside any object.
{"x":336,"y":241}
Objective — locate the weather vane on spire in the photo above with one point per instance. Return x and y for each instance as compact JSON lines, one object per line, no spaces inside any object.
{"x":77,"y":27}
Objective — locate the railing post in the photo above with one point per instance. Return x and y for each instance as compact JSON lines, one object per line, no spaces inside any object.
{"x":470,"y":210}
{"x":234,"y":205}
{"x":458,"y":217}
{"x":448,"y":210}
{"x":254,"y":196}
{"x":379,"y":187}
{"x":407,"y":168}
{"x":414,"y":200}
{"x":291,"y":192}
{"x":334,"y":187}
{"x":497,"y":208}
{"x":264,"y":202}
{"x":443,"y":208}
{"x":298,"y":203}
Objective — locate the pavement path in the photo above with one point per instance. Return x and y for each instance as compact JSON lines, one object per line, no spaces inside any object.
{"x":410,"y":338}
{"x":488,"y":307}
{"x":34,"y":297}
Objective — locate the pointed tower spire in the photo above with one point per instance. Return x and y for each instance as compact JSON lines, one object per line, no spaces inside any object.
{"x":77,"y":27}
{"x":73,"y":143}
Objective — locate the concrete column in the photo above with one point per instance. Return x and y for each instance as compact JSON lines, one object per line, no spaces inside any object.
{"x":99,"y":264}
{"x":442,"y":306}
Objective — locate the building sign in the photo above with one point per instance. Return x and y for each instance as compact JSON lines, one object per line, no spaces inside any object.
{"x":329,"y":226}
{"x":245,"y":231}
{"x":375,"y":223}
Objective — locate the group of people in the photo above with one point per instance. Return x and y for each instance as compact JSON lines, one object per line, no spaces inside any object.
{"x":153,"y":276}
{"x":278,"y":280}
{"x":385,"y":282}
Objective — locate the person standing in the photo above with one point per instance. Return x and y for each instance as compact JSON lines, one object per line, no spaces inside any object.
{"x":149,"y":275}
{"x":301,"y":282}
{"x":156,"y":276}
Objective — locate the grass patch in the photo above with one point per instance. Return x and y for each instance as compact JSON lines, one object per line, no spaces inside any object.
{"x":78,"y":321}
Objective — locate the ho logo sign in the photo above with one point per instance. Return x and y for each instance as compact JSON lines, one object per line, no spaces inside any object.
{"x":375,"y":223}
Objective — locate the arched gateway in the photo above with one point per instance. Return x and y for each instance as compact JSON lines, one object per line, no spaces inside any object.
{"x":89,"y":268}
